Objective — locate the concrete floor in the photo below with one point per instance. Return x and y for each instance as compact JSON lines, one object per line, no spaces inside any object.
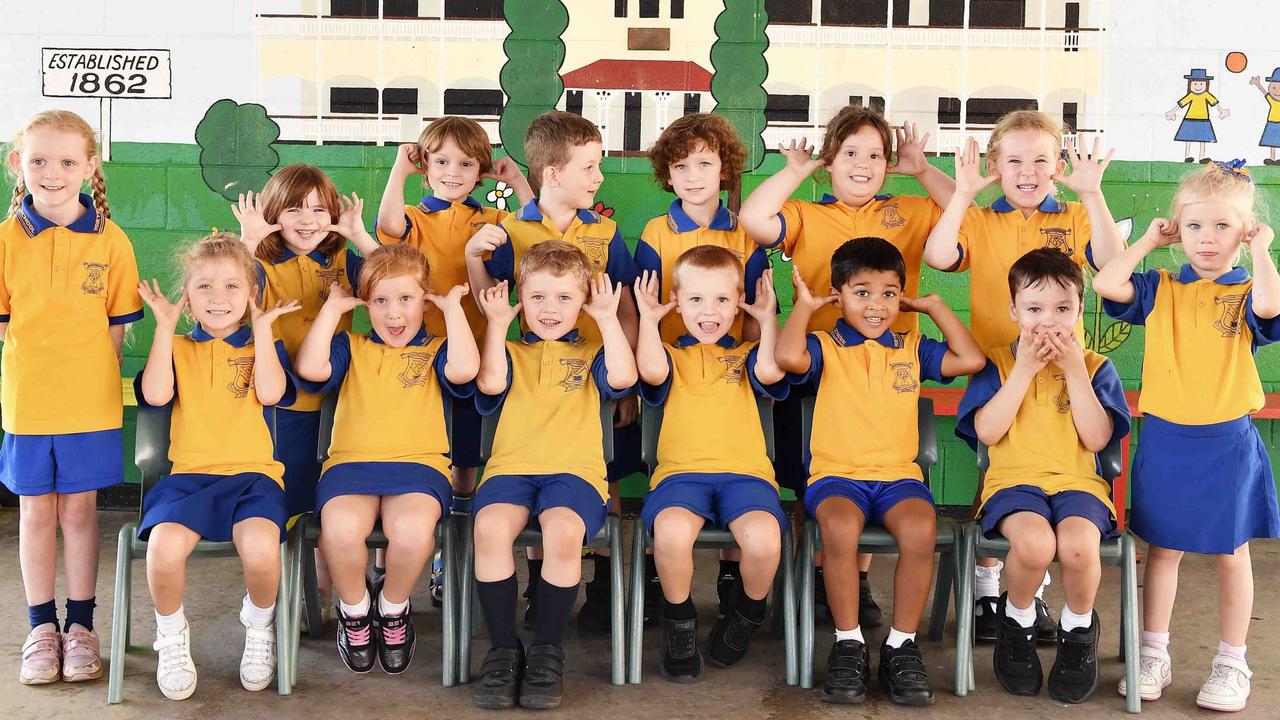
{"x":754,"y":690}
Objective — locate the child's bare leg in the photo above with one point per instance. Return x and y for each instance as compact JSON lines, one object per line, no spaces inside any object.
{"x":257,"y":542}
{"x":1159,"y":588}
{"x":464,"y":480}
{"x":496,"y":528}
{"x":409,"y":521}
{"x":913,"y":523}
{"x":674,"y":532}
{"x":38,"y":545}
{"x":347,"y":521}
{"x":78,"y":518}
{"x":1235,"y":595}
{"x":1078,"y":542}
{"x":1032,"y":546}
{"x":168,"y":547}
{"x":759,"y":537}
{"x":841,"y":521}
{"x":864,"y":562}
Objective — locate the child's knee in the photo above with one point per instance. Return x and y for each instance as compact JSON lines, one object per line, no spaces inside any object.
{"x":38,"y":510}
{"x":77,"y":513}
{"x":404,"y":531}
{"x":1034,"y":546}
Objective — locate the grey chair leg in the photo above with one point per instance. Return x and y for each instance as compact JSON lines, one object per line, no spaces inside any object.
{"x":295,"y":602}
{"x":788,"y":608}
{"x":964,"y":613}
{"x":1129,"y":585}
{"x":635,"y":604}
{"x":805,"y":646}
{"x":311,"y":592}
{"x":120,"y":616}
{"x":466,"y":549}
{"x":942,"y":594}
{"x":284,"y":644}
{"x":449,"y":611}
{"x":617,"y":601}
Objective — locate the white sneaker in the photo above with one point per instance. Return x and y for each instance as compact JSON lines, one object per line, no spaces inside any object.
{"x":175,"y":670}
{"x":1155,"y":673}
{"x":1227,"y":688}
{"x":258,"y":663}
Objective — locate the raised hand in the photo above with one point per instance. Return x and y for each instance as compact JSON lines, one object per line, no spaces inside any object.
{"x":799,"y":157}
{"x":1161,"y":232}
{"x":969,"y":178}
{"x":268,"y":316}
{"x":167,"y":314}
{"x":764,"y":309}
{"x":451,"y":299}
{"x":408,"y":160}
{"x":485,"y":240}
{"x":649,"y":304}
{"x":803,"y":297}
{"x":911,"y":145}
{"x":342,"y":300}
{"x":1031,"y":352}
{"x":605,"y":297}
{"x":505,"y":170}
{"x":925,"y":304}
{"x":1086,"y":169}
{"x":254,"y":228}
{"x":1260,"y":237}
{"x":495,"y":305}
{"x":351,"y":221}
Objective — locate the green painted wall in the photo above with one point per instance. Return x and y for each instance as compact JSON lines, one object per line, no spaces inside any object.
{"x":158,"y":194}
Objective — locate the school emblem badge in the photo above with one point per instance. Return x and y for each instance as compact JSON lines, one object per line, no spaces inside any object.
{"x":1062,"y":399}
{"x":1057,"y":238}
{"x":575,"y":374}
{"x":733,"y":368}
{"x":416,"y":368}
{"x":243,"y":380}
{"x":93,"y":273}
{"x":889,"y":216}
{"x":1228,"y":323}
{"x":328,"y":276}
{"x":594,"y":249}
{"x":903,"y":380}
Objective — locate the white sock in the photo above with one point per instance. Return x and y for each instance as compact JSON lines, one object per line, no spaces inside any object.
{"x":386,"y":608}
{"x":1047,"y":581}
{"x":897,"y":638}
{"x":1072,"y":621}
{"x":854,"y":634}
{"x":358,"y":610}
{"x":257,"y":617}
{"x":171,"y":624}
{"x":988,"y":580}
{"x":1025,"y":617}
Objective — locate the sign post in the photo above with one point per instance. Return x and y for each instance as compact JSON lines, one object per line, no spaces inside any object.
{"x":106,"y":74}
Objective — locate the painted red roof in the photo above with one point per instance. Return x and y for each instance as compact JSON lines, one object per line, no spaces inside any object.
{"x":640,"y":75}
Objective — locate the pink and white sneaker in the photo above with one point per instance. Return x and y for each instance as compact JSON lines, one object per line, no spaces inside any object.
{"x":81,"y":656}
{"x":41,"y":656}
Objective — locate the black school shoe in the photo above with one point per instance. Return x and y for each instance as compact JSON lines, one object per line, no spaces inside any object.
{"x":1046,"y":626}
{"x":396,"y":640}
{"x":903,"y":674}
{"x":357,"y":645}
{"x":848,"y":670}
{"x":1074,"y":676}
{"x":543,"y":683}
{"x":680,"y":662}
{"x":986,"y":622}
{"x":729,"y":638}
{"x":1016,"y":663}
{"x":499,"y":678}
{"x":869,"y":614}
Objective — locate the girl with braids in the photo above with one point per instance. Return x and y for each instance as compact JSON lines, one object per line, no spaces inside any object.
{"x":68,"y":288}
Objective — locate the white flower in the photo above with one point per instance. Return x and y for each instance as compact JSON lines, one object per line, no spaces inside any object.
{"x":498,"y":196}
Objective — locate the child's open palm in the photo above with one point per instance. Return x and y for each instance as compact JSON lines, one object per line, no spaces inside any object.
{"x":254,"y":227}
{"x":1086,"y":169}
{"x":166,"y":313}
{"x":763,"y":310}
{"x":351,"y":222}
{"x":268,"y":316}
{"x":342,"y":300}
{"x":803,"y":297}
{"x":1031,"y":352}
{"x":604,"y":298}
{"x":451,"y":299}
{"x":799,"y":157}
{"x":650,"y":305}
{"x":495,"y":305}
{"x":911,"y":145}
{"x":969,"y":178}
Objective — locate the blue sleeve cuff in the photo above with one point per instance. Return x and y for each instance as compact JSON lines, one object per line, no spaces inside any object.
{"x":142,"y":401}
{"x":1144,"y":299}
{"x":600,"y":375}
{"x":777,"y":391}
{"x":339,"y":362}
{"x":1088,"y":255}
{"x":290,"y":395}
{"x":465,"y":390}
{"x":114,"y":319}
{"x":814,"y":374}
{"x":262,"y":281}
{"x":959,"y":259}
{"x":501,"y":263}
{"x":931,"y":353}
{"x":1265,"y":330}
{"x":489,"y":404}
{"x":657,"y":394}
{"x":1110,"y":393}
{"x":782,"y":232}
{"x":757,"y":263}
{"x":621,"y":267}
{"x":982,"y":387}
{"x":355,"y":264}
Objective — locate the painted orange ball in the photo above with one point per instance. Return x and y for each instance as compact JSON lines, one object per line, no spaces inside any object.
{"x":1237,"y":62}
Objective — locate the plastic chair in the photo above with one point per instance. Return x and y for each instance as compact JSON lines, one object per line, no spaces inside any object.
{"x":151,"y":455}
{"x":1120,"y":551}
{"x":784,"y":591}
{"x":306,"y":536}
{"x":609,"y":536}
{"x":878,"y":541}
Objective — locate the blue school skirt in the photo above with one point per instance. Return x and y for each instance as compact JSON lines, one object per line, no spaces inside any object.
{"x":384,"y":478}
{"x":1203,"y":488}
{"x":1195,"y":131}
{"x":297,"y":446}
{"x":211,"y":505}
{"x":1270,"y":135}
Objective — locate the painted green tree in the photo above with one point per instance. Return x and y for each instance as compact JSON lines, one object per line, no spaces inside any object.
{"x":530,"y":77}
{"x":737,"y":58}
{"x":235,"y":147}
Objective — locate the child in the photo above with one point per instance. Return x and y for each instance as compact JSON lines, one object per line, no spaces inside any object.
{"x":1024,"y":156}
{"x":67,"y":291}
{"x":694,"y":158}
{"x":564,"y":151}
{"x":226,"y":484}
{"x":712,"y":464}
{"x":1044,"y":405}
{"x":855,"y":158}
{"x":1271,"y":130}
{"x":1202,"y":481}
{"x":863,"y":447}
{"x":389,"y":454}
{"x":547,"y":462}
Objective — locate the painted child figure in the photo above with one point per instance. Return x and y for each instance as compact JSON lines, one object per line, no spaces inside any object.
{"x":1045,"y":405}
{"x":712,"y":464}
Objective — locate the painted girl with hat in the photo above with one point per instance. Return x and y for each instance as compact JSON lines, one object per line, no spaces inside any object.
{"x":1270,"y":131}
{"x":1196,"y":126}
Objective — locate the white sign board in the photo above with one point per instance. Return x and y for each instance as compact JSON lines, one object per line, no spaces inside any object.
{"x":106,"y":73}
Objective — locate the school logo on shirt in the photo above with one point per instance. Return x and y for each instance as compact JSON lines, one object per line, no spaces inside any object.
{"x":243,"y":380}
{"x":594,"y":248}
{"x":1062,"y":399}
{"x":575,"y":374}
{"x":889,"y":216}
{"x":416,"y":368}
{"x":328,"y":276}
{"x":904,"y":380}
{"x":1057,"y":238}
{"x":733,"y":368}
{"x":93,"y":273}
{"x":1228,"y":323}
